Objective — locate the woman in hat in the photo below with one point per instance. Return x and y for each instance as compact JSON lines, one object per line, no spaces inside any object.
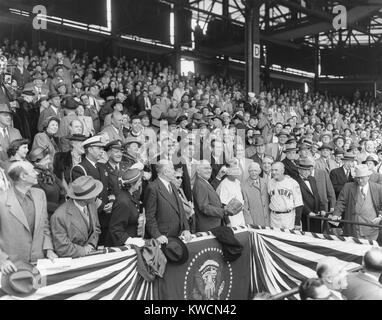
{"x":87,"y":121}
{"x":63,"y":162}
{"x":47,"y":180}
{"x":48,"y":138}
{"x":124,"y":227}
{"x":17,"y":150}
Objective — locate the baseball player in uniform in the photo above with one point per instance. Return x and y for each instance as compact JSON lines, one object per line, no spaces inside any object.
{"x":285,"y":200}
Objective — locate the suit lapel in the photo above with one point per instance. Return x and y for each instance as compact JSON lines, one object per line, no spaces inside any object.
{"x":165,"y":194}
{"x":15,"y":208}
{"x":77,"y":220}
{"x":38,"y":210}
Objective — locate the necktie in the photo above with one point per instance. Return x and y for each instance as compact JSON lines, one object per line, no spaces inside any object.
{"x":86,"y":216}
{"x":363,"y":192}
{"x":5,"y":133}
{"x":169,"y":189}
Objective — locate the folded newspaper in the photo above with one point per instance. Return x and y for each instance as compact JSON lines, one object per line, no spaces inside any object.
{"x":234,"y":206}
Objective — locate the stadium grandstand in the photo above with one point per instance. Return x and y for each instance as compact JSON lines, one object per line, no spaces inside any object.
{"x":191,"y":150}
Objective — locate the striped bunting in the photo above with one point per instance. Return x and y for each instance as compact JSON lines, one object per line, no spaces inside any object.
{"x":111,"y":276}
{"x":281,"y":259}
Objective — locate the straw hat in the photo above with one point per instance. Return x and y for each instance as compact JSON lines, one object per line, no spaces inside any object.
{"x":85,"y":188}
{"x":362,"y":171}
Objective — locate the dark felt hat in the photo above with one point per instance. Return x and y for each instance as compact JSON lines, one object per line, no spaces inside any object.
{"x":77,"y":137}
{"x":115,"y":144}
{"x":232,"y":248}
{"x":325,"y":146}
{"x":175,"y":251}
{"x":181,"y":118}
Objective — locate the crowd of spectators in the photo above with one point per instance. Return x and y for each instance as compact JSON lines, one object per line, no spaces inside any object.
{"x":127,"y":149}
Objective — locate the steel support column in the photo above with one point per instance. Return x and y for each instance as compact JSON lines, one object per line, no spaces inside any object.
{"x":252,"y":46}
{"x":316,"y":63}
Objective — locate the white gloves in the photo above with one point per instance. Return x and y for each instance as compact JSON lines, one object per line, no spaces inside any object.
{"x":139,"y":242}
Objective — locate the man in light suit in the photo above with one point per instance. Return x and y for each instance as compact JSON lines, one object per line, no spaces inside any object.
{"x":75,"y":225}
{"x":243,"y":163}
{"x":165,"y":215}
{"x":276,"y":149}
{"x":364,"y":285}
{"x":7,"y":132}
{"x":24,"y":226}
{"x":114,"y":131}
{"x":256,"y":198}
{"x":325,"y":162}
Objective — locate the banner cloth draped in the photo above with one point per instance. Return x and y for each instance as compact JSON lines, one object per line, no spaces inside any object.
{"x":272,"y":260}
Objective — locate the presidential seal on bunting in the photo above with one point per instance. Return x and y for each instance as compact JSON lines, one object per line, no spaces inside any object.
{"x":208,"y":276}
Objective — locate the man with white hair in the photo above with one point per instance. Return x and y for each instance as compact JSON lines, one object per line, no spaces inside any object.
{"x":285,"y":200}
{"x":209,"y":211}
{"x":333,"y":273}
{"x":256,"y":198}
{"x":24,"y":226}
{"x":164,"y":209}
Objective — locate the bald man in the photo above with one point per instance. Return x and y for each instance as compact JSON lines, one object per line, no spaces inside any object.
{"x":256,"y":198}
{"x":285,"y":199}
{"x":365,"y":285}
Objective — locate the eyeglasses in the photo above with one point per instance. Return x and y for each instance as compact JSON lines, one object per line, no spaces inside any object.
{"x":178,"y":178}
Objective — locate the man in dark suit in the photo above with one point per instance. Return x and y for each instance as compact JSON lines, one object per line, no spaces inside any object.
{"x":113,"y":167}
{"x":7,"y":132}
{"x":144,"y":101}
{"x":218,"y":163}
{"x":165,"y":216}
{"x":89,"y":166}
{"x":325,"y":188}
{"x":342,"y":175}
{"x":311,"y":199}
{"x":289,"y":161}
{"x":364,"y":285}
{"x":209,"y":211}
{"x":260,"y":150}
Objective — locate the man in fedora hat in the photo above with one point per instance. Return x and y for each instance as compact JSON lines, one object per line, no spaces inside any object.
{"x":325,"y":162}
{"x":276,"y":149}
{"x":360,"y":201}
{"x":7,"y":132}
{"x":24,"y":224}
{"x":90,"y":166}
{"x":372,"y":162}
{"x":312,"y":204}
{"x":75,"y":226}
{"x":342,"y":175}
{"x":259,"y":144}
